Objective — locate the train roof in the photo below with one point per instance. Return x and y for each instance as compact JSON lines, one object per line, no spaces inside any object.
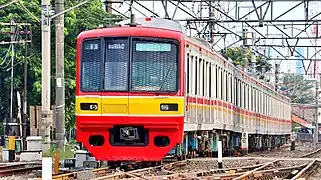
{"x":155,"y":23}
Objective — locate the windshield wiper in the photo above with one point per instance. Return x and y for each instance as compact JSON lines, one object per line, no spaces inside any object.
{"x":165,"y":78}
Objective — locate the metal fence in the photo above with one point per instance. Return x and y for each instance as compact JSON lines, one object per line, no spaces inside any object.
{"x":306,"y":137}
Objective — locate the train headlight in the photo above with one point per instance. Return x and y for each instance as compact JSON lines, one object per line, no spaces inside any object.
{"x":93,"y":107}
{"x":89,"y":106}
{"x":164,"y":107}
{"x":169,"y":107}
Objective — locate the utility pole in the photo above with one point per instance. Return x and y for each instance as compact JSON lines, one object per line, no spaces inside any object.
{"x":15,"y":31}
{"x":25,"y":94}
{"x":46,"y":115}
{"x":12,"y":34}
{"x":60,"y":85}
{"x":45,"y":108}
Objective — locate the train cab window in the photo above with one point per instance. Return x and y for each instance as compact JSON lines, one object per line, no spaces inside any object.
{"x":154,"y":65}
{"x":90,"y":65}
{"x":116,"y":65}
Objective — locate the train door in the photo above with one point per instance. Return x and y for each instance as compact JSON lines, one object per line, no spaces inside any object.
{"x":115,"y":90}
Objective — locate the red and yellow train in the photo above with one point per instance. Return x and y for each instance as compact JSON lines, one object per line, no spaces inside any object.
{"x":145,"y":91}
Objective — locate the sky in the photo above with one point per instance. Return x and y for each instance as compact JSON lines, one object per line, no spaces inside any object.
{"x":278,"y":9}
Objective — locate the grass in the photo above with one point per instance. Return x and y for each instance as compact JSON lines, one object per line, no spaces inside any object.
{"x":68,"y":153}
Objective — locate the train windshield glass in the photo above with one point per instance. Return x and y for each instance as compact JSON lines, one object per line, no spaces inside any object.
{"x":90,"y":65}
{"x":116,"y":65}
{"x":154,"y":66}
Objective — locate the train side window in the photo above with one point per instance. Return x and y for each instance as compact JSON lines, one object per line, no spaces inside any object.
{"x":190,"y":74}
{"x":236,"y":91}
{"x":206,"y":78}
{"x":253,"y":92}
{"x":260,"y":101}
{"x":196,"y":75}
{"x":252,"y":98}
{"x":192,"y":86}
{"x":245,"y":96}
{"x":226,"y":80}
{"x":249,"y":97}
{"x":269,"y":107}
{"x":216,"y":81}
{"x":200,"y":75}
{"x":264,"y":103}
{"x":187,"y":73}
{"x":202,"y":71}
{"x":231,"y":89}
{"x":210,"y":80}
{"x":240,"y":94}
{"x":90,"y":65}
{"x":220,"y":83}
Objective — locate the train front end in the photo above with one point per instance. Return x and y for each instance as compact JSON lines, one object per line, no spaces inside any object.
{"x":130,"y":95}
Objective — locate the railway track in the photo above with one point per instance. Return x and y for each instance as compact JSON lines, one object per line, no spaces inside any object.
{"x":165,"y":171}
{"x":17,"y":169}
{"x":314,"y":154}
{"x":260,"y":171}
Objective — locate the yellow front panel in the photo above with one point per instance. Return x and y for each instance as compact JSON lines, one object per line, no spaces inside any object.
{"x":117,"y":106}
{"x":84,"y":99}
{"x":151,"y":105}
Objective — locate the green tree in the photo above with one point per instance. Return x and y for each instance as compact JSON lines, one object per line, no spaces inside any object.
{"x":261,"y":65}
{"x":89,"y":16}
{"x":298,"y":88}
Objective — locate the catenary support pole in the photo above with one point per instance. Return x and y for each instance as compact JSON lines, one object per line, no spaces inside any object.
{"x":60,"y":85}
{"x":316,"y":94}
{"x":45,"y":99}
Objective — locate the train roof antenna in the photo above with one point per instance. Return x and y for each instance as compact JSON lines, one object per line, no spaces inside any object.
{"x":132,"y":21}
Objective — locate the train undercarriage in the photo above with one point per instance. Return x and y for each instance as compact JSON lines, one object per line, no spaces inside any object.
{"x":204,"y":144}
